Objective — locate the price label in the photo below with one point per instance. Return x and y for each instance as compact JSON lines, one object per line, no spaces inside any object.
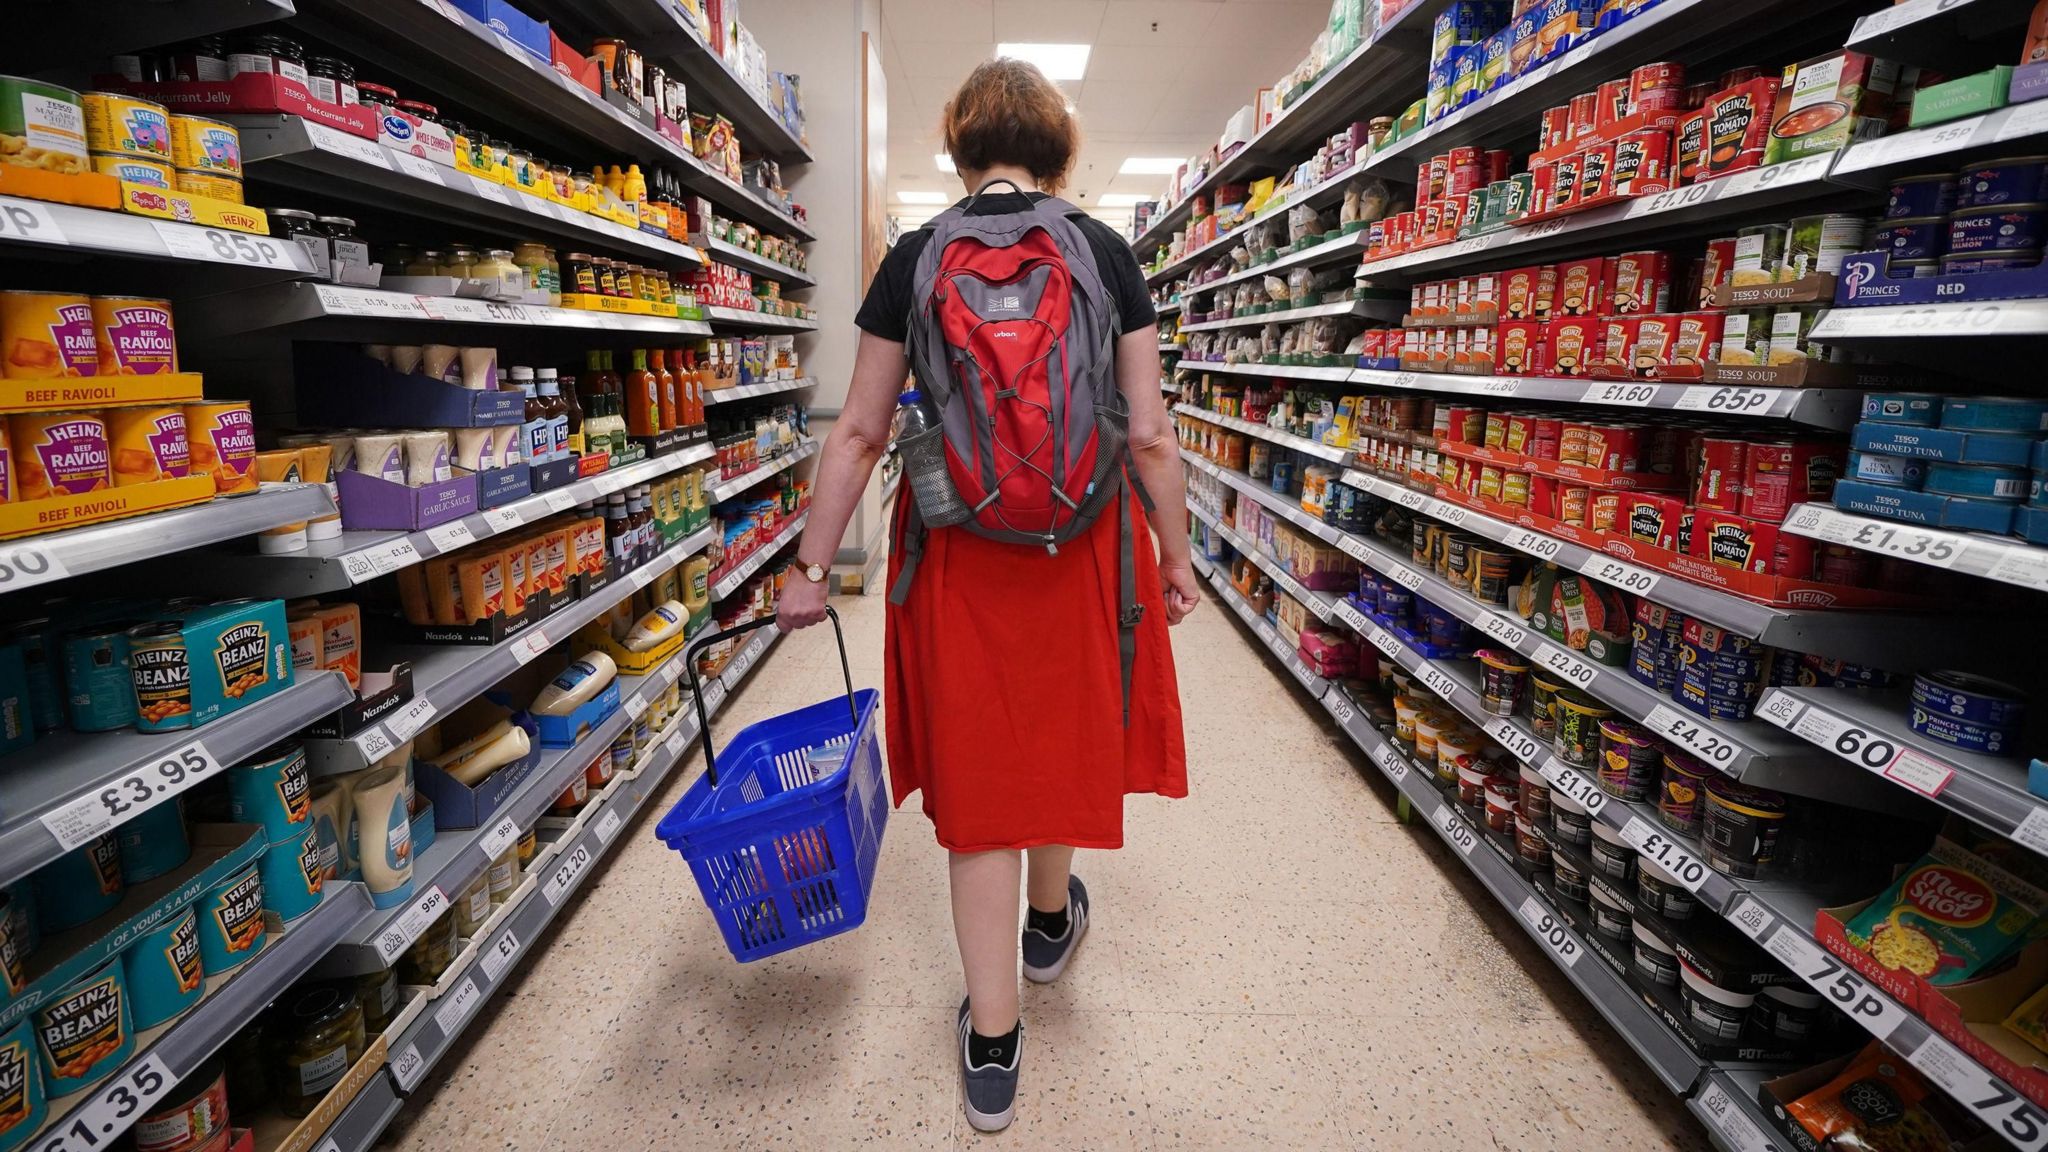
{"x":374,"y":744}
{"x":140,"y":789}
{"x":26,"y":565}
{"x":2033,"y":831}
{"x":1448,"y":513}
{"x":2026,"y":119}
{"x":453,"y":308}
{"x":1774,"y":176}
{"x":1439,"y":682}
{"x":1835,"y":980}
{"x":29,"y":221}
{"x":1266,"y":633}
{"x":489,"y":190}
{"x":531,"y":644}
{"x":448,"y":537}
{"x":1534,"y":543}
{"x":113,"y":1109}
{"x":1405,"y":576}
{"x":1780,"y":708}
{"x":1352,"y":617}
{"x":407,"y":1068}
{"x":1672,"y":200}
{"x":1410,"y":499}
{"x":417,"y":167}
{"x":411,"y":719}
{"x":338,"y":301}
{"x":1626,"y":577}
{"x":1753,"y":918}
{"x":1997,"y":1105}
{"x":1665,"y":853}
{"x":1519,"y":744}
{"x":503,"y":519}
{"x":1340,"y":708}
{"x":1855,"y":744}
{"x":499,"y":955}
{"x":502,"y":835}
{"x":671,"y":671}
{"x":406,"y":928}
{"x":1939,"y":549}
{"x":565,"y":876}
{"x":559,"y":500}
{"x":1392,"y":763}
{"x":1387,"y":643}
{"x":1566,"y":665}
{"x":608,"y":825}
{"x":1620,"y":394}
{"x":1738,"y":1132}
{"x":1355,"y":548}
{"x":1459,"y":833}
{"x":745,"y":660}
{"x":677,"y":737}
{"x":1731,"y":400}
{"x":347,"y":144}
{"x":225,"y":246}
{"x":644,"y":575}
{"x":714,"y":695}
{"x":1568,"y":782}
{"x":636,"y":706}
{"x":1554,"y":935}
{"x":1499,"y":386}
{"x":449,"y":1017}
{"x":1502,"y":629}
{"x":1696,"y":737}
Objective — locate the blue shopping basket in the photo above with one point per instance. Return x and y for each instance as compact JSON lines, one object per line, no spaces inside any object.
{"x":784,"y":841}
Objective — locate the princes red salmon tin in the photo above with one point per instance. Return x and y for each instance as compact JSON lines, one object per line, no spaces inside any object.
{"x":2002,"y":227}
{"x":2011,"y":180}
{"x":1990,"y":260}
{"x":1918,"y":196}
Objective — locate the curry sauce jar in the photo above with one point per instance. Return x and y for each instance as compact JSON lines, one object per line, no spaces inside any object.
{"x":86,"y":1031}
{"x":231,"y":921}
{"x":162,"y":674}
{"x":202,"y":145}
{"x":21,"y":1084}
{"x":163,"y":971}
{"x":126,"y":126}
{"x":144,"y":170}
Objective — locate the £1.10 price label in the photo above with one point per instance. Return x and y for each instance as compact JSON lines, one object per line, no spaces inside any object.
{"x":1438,"y":681}
{"x":1571,"y":783}
{"x":113,"y":1109}
{"x":1554,"y":935}
{"x":121,"y":800}
{"x":1519,"y":744}
{"x":1675,"y":858}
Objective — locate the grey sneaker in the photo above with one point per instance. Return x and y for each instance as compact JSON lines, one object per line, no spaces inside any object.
{"x":989,"y":1091}
{"x":1044,"y":957}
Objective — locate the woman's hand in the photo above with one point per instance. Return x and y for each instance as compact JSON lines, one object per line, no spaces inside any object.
{"x":801,"y":604}
{"x":1182,"y":590}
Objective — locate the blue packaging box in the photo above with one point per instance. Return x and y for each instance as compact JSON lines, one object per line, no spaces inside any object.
{"x":1942,"y":444}
{"x":2030,"y":524}
{"x":515,"y":25}
{"x":1924,"y":508}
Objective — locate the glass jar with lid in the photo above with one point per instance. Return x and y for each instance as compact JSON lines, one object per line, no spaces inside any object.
{"x":462,"y":141}
{"x":565,"y":180}
{"x":519,"y":167}
{"x":664,"y":290}
{"x":607,"y":276}
{"x":397,"y":257}
{"x":378,"y":96}
{"x":532,"y":259}
{"x":331,"y":79}
{"x":459,"y":263}
{"x":318,"y":1036}
{"x":427,"y":263}
{"x":496,"y":265}
{"x":269,"y":55}
{"x":430,"y":955}
{"x":378,"y":995}
{"x":579,"y":274}
{"x":501,"y":159}
{"x":421,"y":111}
{"x":204,"y":59}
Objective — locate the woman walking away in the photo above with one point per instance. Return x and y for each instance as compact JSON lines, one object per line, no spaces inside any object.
{"x":1030,"y":683}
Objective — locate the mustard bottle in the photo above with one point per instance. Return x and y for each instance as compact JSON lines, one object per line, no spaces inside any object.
{"x":633,"y":186}
{"x":697,"y":590}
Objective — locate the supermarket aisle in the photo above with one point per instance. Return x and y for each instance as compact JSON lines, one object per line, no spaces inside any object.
{"x":1275,"y":961}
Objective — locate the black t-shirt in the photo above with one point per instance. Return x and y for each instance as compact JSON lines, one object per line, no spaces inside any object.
{"x":887,"y":309}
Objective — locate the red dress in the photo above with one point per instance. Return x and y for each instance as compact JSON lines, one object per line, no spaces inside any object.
{"x":1003,"y":701}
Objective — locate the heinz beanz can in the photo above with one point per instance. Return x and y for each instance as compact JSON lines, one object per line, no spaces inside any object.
{"x":86,"y":1031}
{"x":163,"y":677}
{"x":21,"y":1084}
{"x":274,"y":790}
{"x":99,"y":687}
{"x":80,"y":885}
{"x":293,"y":876}
{"x":231,"y":921}
{"x":153,"y":842}
{"x":163,"y":969}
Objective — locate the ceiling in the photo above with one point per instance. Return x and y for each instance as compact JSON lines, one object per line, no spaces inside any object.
{"x":1163,"y":77}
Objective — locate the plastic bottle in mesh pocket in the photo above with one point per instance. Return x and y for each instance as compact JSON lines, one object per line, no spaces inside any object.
{"x":921,"y":440}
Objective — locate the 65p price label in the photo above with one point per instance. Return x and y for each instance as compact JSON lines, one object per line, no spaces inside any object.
{"x":30,"y":221}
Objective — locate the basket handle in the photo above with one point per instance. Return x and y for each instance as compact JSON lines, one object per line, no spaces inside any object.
{"x":697,"y":690}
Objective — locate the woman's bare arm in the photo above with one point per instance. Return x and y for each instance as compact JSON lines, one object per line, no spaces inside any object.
{"x":1155,"y":456}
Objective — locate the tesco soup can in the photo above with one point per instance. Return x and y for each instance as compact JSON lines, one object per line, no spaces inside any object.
{"x":85,"y":1031}
{"x":163,"y":970}
{"x":192,"y":1117}
{"x":21,"y":1085}
{"x":231,"y":921}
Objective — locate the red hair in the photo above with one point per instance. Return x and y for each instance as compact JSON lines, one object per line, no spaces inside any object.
{"x":1007,"y":113}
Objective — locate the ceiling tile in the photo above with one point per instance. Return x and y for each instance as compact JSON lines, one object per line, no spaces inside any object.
{"x":947,"y":60}
{"x":1157,"y":23}
{"x":1126,"y":65}
{"x":1049,"y":22}
{"x":940,"y":19}
{"x":1117,"y":106}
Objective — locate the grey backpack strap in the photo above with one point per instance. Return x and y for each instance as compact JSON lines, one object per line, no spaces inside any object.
{"x":1129,"y":611}
{"x":913,"y":550}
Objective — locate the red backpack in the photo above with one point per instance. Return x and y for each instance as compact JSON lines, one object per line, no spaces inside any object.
{"x":1013,"y":343}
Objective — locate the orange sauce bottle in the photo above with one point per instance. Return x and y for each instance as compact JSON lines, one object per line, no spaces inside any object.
{"x":666,"y":389}
{"x":643,"y":400}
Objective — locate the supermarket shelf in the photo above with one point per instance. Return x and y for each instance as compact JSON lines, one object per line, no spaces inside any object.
{"x":1287,"y":440}
{"x":289,"y":151}
{"x":764,"y":388}
{"x":437,"y":47}
{"x":664,"y":34}
{"x":729,"y":583}
{"x":447,"y":676}
{"x":43,"y":35}
{"x":1325,"y":191}
{"x":1320,"y":603}
{"x":1884,"y":640}
{"x":1727,"y":1104}
{"x":1278,"y":371}
{"x":1172,"y":269}
{"x":1267,"y":634}
{"x":1328,"y":252}
{"x":1932,"y":321}
{"x":1935,"y":33}
{"x":1391,"y":66}
{"x":1389,"y":308}
{"x":177,"y":1050}
{"x":288,"y":305}
{"x":1872,"y":733}
{"x":748,"y":318}
{"x":1940,"y":147}
{"x":34,"y":560}
{"x":727,"y":489}
{"x":365,"y":1118}
{"x":726,"y":253}
{"x":1820,"y":407}
{"x":1169,"y":348}
{"x":356,"y":557}
{"x":33,"y":228}
{"x":1761,"y":193}
{"x":507,"y":938}
{"x":1168,"y":308}
{"x":52,"y":792}
{"x":2006,"y":559}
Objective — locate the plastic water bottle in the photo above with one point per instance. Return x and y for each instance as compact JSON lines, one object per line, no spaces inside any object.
{"x":921,"y":439}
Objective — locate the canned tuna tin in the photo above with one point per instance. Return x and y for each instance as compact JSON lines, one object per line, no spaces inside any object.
{"x":1891,"y":471}
{"x":1994,"y":260}
{"x":1979,"y":481}
{"x":2012,"y":180}
{"x":1922,"y":409}
{"x":1965,"y":711}
{"x":1994,"y":414}
{"x":2003,"y":227}
{"x":1919,"y":196}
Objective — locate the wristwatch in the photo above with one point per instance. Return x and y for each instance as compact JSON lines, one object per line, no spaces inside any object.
{"x":815,"y":573}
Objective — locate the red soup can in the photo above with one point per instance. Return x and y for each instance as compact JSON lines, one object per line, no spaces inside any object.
{"x":1564,"y":183}
{"x":1520,"y":430}
{"x":1642,"y":163}
{"x":1439,"y":175}
{"x":1585,"y":115}
{"x":1422,"y":191}
{"x":1658,"y":87}
{"x":1543,"y":495}
{"x":1782,"y":473}
{"x":1614,"y":101}
{"x":1619,"y":338}
{"x":1465,"y":171}
{"x":1723,"y":464}
{"x":1496,"y":164}
{"x":1698,"y":344}
{"x":1557,"y":127}
{"x":1614,"y":447}
{"x":1543,"y":437}
{"x":1596,"y":171}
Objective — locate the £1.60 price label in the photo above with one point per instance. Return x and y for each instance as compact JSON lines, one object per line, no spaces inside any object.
{"x":1623,"y":395}
{"x":565,"y":876}
{"x":1534,"y":543}
{"x":1555,"y":936}
{"x":1666,"y":853}
{"x":1458,"y":832}
{"x":1697,"y":738}
{"x":113,"y":1109}
{"x":160,"y":778}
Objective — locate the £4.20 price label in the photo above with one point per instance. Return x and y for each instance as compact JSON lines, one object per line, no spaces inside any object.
{"x":1697,"y":738}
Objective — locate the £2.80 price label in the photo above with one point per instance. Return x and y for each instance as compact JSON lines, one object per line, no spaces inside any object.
{"x":113,"y":1110}
{"x":1566,"y":665}
{"x":161,"y":778}
{"x":1627,"y":577}
{"x":1502,"y":629}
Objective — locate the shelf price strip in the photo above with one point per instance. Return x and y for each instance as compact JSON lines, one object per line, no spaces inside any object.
{"x":25,"y":565}
{"x":113,"y":1109}
{"x":423,"y":911}
{"x":1737,"y":1129}
{"x":89,"y":817}
{"x":1858,"y":745}
{"x":1554,"y":935}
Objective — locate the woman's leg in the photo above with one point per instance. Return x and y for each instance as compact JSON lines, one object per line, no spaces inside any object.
{"x":1046,"y":885}
{"x":985,"y":923}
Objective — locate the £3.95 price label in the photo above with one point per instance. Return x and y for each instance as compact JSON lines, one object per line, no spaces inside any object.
{"x":23,"y":565}
{"x":1569,"y":782}
{"x":499,"y":955}
{"x":1627,"y":577}
{"x":572,"y":867}
{"x":1555,"y":936}
{"x":113,"y":1109}
{"x":2017,"y":1118}
{"x":422,"y":912}
{"x":1566,"y":665}
{"x":1665,"y":853}
{"x":121,"y":800}
{"x":1697,"y":738}
{"x":1459,"y":833}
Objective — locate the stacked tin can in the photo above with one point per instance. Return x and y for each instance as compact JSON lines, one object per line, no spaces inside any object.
{"x":1989,"y":217}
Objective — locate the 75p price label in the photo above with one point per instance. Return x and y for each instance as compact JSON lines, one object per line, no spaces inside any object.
{"x":1993,"y":1102}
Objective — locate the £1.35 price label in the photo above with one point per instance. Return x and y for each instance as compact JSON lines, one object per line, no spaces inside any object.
{"x":113,"y":1109}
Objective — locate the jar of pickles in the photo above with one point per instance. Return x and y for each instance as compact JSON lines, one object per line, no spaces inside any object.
{"x":377,"y":993}
{"x":459,"y":263}
{"x":430,"y":955}
{"x":319,"y":1036}
{"x":427,"y":263}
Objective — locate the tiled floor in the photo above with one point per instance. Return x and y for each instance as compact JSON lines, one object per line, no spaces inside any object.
{"x":1275,"y":962}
